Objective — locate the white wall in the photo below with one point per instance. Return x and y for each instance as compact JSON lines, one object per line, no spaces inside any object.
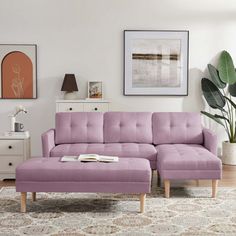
{"x":85,"y":37}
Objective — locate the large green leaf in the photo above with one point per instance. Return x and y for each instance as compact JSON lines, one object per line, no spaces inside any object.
{"x":232,"y":89}
{"x":215,"y":76}
{"x":212,"y":94}
{"x":226,"y":68}
{"x":213,"y":117}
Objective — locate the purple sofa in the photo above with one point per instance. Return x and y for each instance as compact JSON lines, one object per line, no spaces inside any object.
{"x":175,"y":143}
{"x":124,"y":134}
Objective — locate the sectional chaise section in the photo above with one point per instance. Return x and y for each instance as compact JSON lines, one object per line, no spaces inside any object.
{"x":185,"y":149}
{"x":175,"y":143}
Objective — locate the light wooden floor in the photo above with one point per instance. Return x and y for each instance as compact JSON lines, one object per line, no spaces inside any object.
{"x":228,"y":180}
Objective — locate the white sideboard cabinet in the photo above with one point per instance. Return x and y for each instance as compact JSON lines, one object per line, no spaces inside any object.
{"x":82,"y":105}
{"x":13,"y":151}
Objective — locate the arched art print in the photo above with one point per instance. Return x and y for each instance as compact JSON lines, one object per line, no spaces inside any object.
{"x":18,"y":71}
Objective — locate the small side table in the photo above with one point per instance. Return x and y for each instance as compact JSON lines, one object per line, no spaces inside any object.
{"x":13,"y":151}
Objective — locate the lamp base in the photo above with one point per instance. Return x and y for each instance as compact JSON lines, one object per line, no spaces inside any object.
{"x":70,"y":95}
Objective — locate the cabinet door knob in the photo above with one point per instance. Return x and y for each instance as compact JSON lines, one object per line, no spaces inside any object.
{"x":70,"y":109}
{"x":10,"y":147}
{"x":10,"y":164}
{"x":95,"y":108}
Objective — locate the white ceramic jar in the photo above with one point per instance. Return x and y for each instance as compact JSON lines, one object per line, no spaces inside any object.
{"x":229,"y":153}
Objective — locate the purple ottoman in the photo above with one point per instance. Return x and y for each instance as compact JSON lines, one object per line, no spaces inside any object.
{"x":129,"y":175}
{"x":192,"y":161}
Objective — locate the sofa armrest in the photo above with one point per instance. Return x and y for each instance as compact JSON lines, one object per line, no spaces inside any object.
{"x":210,"y":140}
{"x":48,"y":142}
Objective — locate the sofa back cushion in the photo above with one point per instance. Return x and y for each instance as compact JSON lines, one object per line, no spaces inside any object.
{"x":128,"y":127}
{"x":79,"y":127}
{"x":177,"y":127}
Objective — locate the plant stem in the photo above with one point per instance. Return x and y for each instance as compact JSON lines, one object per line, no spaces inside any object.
{"x":226,"y":127}
{"x":233,"y":125}
{"x":230,"y":117}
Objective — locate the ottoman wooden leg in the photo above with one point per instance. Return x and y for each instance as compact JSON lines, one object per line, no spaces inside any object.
{"x":23,"y":202}
{"x":167,"y":188}
{"x":33,"y":196}
{"x":214,"y":187}
{"x":142,"y":202}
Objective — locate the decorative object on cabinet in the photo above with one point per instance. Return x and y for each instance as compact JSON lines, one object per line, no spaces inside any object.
{"x":217,"y":93}
{"x":14,"y":149}
{"x":18,"y":71}
{"x":18,"y":110}
{"x":82,"y":105}
{"x":19,"y":127}
{"x":156,"y":62}
{"x":70,"y":87}
{"x":95,"y":90}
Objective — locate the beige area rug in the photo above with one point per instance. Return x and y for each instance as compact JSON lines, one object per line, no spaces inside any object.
{"x":190,"y":211}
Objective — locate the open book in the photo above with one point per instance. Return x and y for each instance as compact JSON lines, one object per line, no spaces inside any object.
{"x":90,"y":158}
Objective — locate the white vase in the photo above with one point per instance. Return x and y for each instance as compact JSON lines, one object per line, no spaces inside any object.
{"x":12,"y":123}
{"x":229,"y":153}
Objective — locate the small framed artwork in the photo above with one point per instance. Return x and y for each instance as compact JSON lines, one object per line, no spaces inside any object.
{"x":95,"y":89}
{"x":156,"y":62}
{"x":18,"y":71}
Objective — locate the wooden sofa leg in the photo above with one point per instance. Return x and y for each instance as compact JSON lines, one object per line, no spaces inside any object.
{"x":142,"y":202}
{"x":158,"y":179}
{"x":33,"y":196}
{"x":214,"y":187}
{"x":167,"y":188}
{"x":23,"y":202}
{"x":152,"y":178}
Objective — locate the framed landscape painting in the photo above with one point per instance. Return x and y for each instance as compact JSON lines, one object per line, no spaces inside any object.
{"x":18,"y":71}
{"x":156,"y":63}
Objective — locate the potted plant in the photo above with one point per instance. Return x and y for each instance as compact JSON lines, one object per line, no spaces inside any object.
{"x":218,"y":93}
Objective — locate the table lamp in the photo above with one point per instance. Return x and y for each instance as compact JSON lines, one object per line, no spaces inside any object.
{"x":70,"y":87}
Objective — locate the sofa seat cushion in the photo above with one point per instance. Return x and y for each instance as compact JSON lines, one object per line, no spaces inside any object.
{"x":187,"y":161}
{"x":52,"y":169}
{"x":146,"y":151}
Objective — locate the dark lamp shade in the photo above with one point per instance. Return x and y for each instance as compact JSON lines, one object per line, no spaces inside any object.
{"x":69,"y":83}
